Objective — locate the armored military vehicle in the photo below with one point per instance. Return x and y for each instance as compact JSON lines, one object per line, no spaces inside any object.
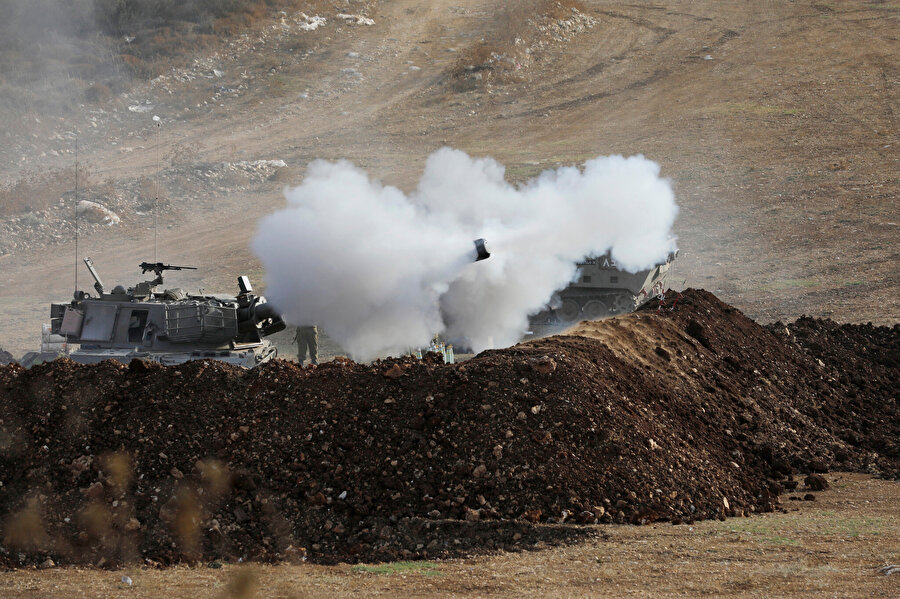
{"x":602,"y":289}
{"x":169,"y":326}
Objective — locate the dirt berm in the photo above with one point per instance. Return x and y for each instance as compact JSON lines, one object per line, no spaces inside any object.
{"x":666,"y":414}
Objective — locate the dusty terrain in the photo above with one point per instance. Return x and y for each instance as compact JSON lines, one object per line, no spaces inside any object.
{"x":777,"y":124}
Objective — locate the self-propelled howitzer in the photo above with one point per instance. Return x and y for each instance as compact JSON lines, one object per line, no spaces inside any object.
{"x":601,"y":288}
{"x":169,"y":326}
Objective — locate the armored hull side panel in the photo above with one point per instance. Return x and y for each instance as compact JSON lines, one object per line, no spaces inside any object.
{"x":195,"y":322}
{"x":99,"y":322}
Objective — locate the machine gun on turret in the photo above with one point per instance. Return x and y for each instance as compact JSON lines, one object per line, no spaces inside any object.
{"x":159,"y":267}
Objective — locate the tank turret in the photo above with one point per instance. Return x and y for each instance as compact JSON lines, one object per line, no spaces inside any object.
{"x":169,"y":326}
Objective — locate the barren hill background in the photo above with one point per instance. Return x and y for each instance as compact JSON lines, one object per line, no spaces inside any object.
{"x":776,"y":122}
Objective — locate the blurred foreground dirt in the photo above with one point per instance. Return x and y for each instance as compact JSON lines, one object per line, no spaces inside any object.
{"x":830,"y":547}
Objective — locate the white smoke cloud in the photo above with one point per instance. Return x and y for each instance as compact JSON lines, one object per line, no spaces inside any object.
{"x":381,"y":271}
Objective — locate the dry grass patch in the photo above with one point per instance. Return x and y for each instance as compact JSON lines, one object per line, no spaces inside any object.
{"x":36,"y":191}
{"x":752,"y":109}
{"x":517,"y":27}
{"x":423,"y":568}
{"x":838,"y":544}
{"x":91,"y":51}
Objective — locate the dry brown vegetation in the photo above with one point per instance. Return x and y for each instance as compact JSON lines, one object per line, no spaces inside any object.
{"x":39,"y":191}
{"x":833,"y":546}
{"x":51,"y":53}
{"x":497,"y":58}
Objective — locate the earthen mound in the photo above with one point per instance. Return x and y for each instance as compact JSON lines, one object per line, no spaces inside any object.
{"x":662,"y":415}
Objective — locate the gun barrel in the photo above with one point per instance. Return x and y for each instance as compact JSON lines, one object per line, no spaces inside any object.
{"x":158,"y":267}
{"x":264,"y":311}
{"x":98,"y":284}
{"x":481,"y":252}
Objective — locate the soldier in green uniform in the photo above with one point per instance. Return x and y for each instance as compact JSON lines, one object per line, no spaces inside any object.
{"x":307,"y":338}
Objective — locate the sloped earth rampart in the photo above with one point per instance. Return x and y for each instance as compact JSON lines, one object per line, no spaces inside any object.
{"x":662,"y":415}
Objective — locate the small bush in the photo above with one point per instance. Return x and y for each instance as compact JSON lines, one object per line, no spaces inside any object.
{"x":98,"y":93}
{"x":30,"y":219}
{"x":40,"y":191}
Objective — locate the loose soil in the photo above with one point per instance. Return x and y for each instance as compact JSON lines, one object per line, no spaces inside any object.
{"x":684,"y":411}
{"x":833,"y":546}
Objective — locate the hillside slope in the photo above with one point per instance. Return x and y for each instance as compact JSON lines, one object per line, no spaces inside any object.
{"x":777,"y":125}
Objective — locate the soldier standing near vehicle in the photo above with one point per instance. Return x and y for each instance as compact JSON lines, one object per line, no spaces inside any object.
{"x":307,"y":338}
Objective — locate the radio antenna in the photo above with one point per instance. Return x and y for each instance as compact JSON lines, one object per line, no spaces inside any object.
{"x":76,"y":213}
{"x":156,"y":120}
